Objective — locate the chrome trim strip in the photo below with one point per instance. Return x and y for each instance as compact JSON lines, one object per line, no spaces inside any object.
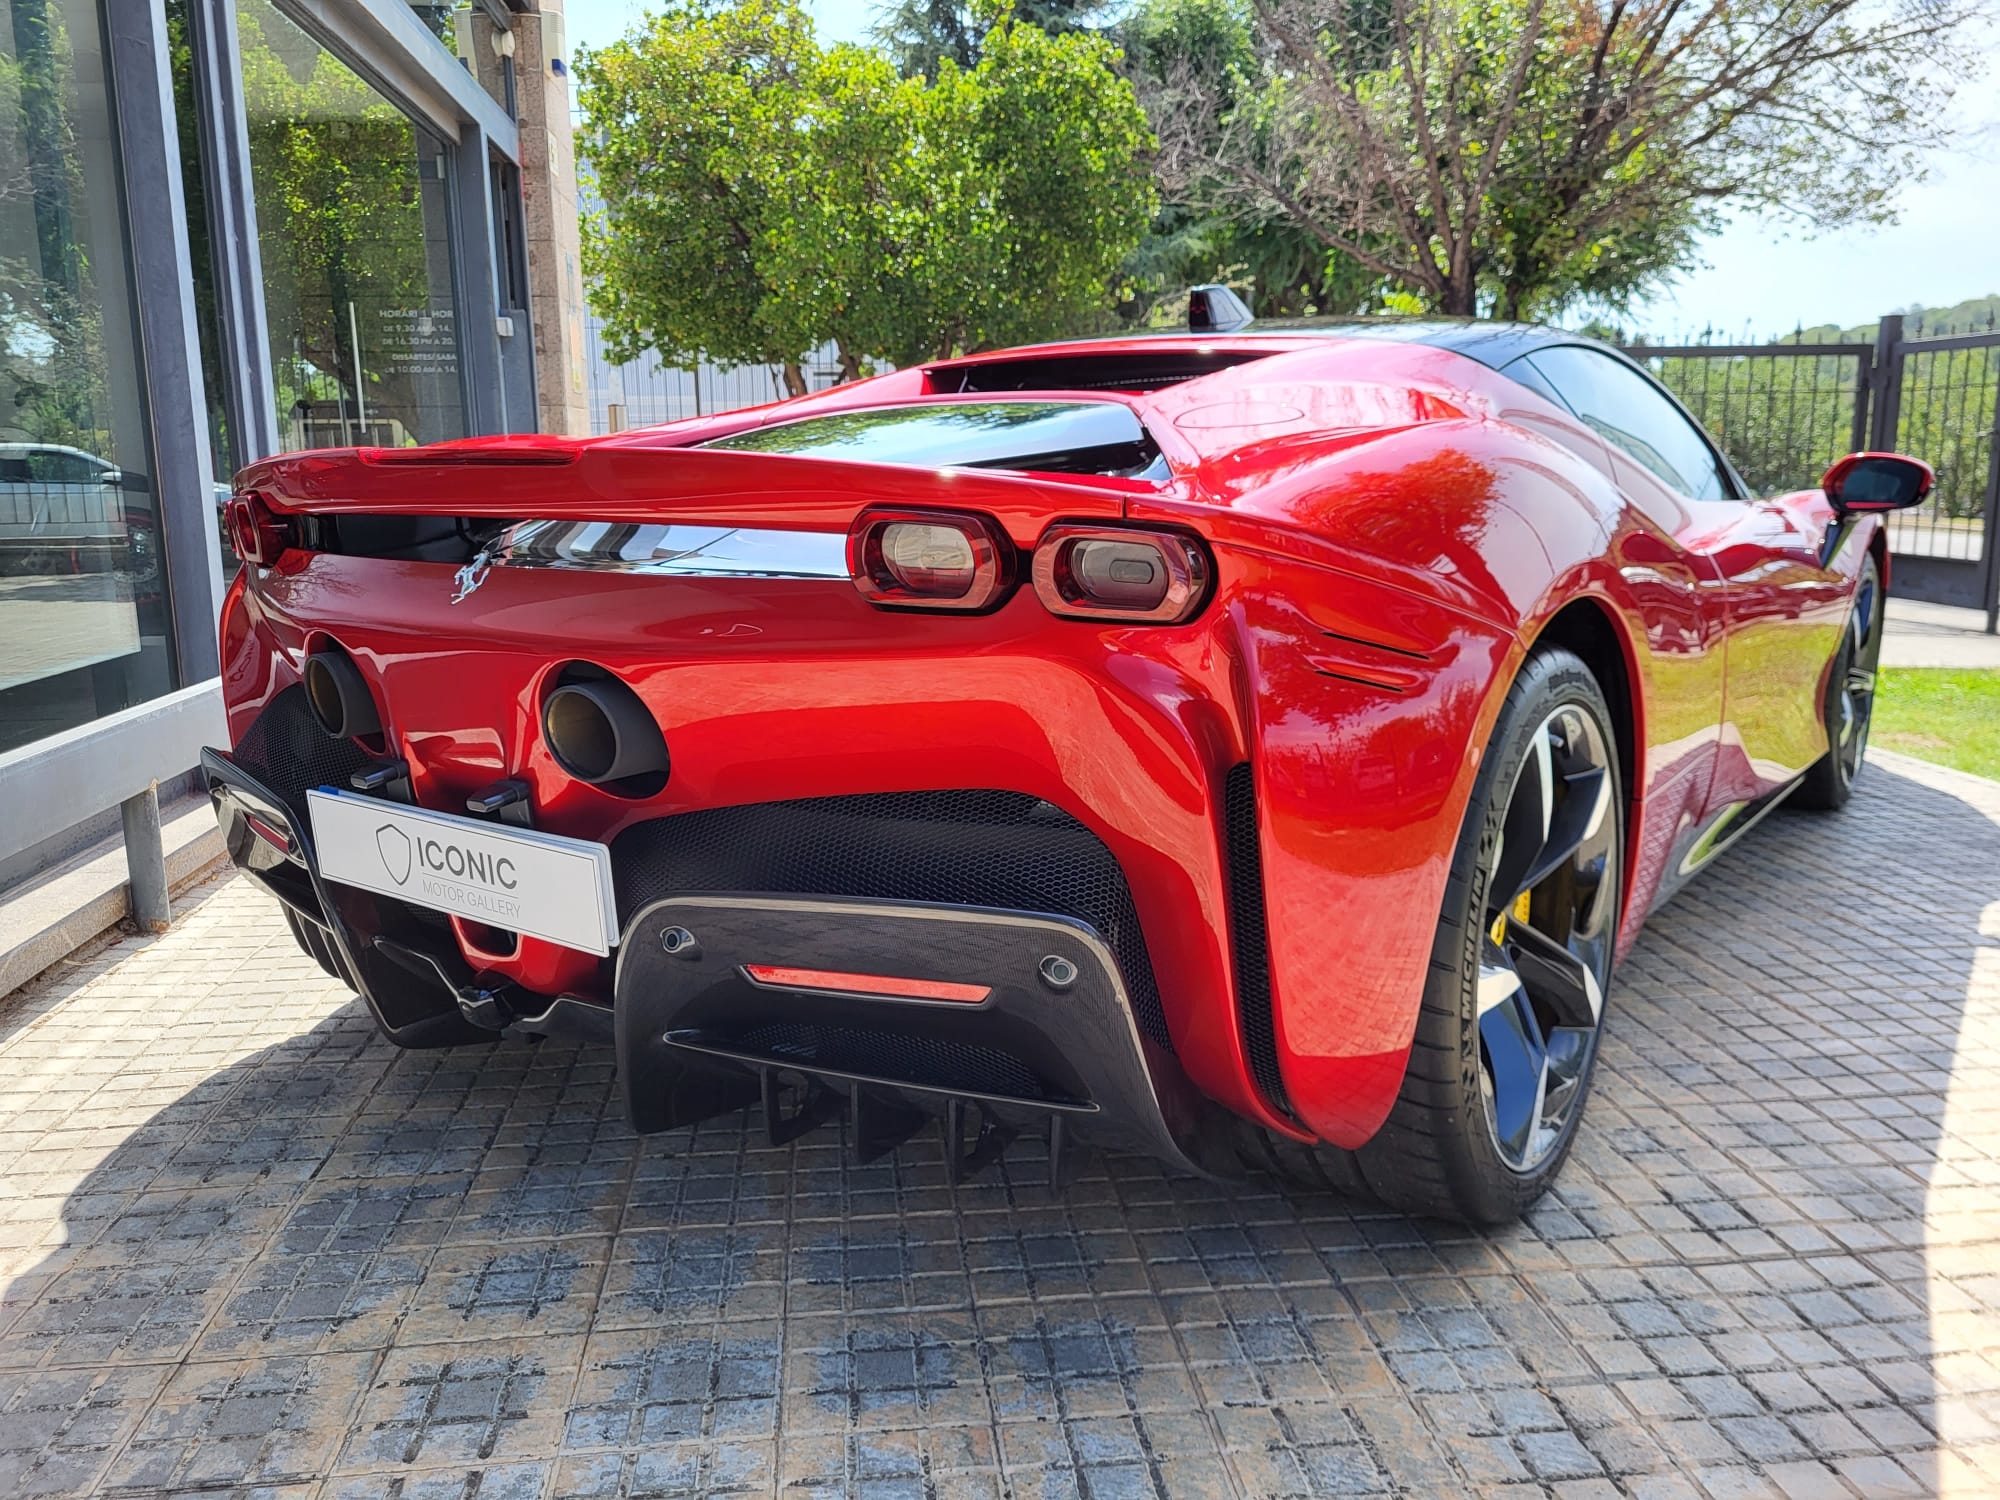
{"x":671,"y":551}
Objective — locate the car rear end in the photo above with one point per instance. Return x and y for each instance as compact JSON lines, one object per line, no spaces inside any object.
{"x":938,"y":786}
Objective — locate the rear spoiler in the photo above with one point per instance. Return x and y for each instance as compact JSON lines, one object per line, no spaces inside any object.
{"x":558,"y":479}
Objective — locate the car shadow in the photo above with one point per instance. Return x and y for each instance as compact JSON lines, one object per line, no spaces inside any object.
{"x":248,"y":1244}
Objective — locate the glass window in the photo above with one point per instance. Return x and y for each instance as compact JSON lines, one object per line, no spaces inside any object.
{"x":353,"y":226}
{"x":83,"y":609}
{"x":1627,"y":410}
{"x":1059,"y":436}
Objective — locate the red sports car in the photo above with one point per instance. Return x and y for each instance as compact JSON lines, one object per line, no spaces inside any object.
{"x":1253,"y":748}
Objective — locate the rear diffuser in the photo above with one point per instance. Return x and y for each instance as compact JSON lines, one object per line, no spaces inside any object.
{"x":901,"y":1012}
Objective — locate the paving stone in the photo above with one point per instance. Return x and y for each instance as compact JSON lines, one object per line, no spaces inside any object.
{"x":247,"y":1249}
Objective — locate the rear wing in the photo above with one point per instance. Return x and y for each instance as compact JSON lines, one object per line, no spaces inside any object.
{"x":600,"y":480}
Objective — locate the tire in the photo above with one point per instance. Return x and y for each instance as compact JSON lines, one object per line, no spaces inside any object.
{"x":1440,"y":1151}
{"x":1847,"y":706}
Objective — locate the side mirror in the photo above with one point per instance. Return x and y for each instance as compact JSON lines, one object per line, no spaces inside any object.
{"x":1864,"y":483}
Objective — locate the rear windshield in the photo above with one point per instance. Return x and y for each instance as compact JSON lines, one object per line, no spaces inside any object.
{"x":1063,"y":437}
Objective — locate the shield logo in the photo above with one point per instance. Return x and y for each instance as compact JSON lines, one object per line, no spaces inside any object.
{"x":394,"y":846}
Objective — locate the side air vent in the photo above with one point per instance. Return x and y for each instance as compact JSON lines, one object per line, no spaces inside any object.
{"x":1248,"y":939}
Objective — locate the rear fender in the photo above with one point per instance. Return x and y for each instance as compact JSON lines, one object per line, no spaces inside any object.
{"x":1368,"y":711}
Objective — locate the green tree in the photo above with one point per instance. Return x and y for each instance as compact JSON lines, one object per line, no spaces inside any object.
{"x":1281,"y":266}
{"x":918,"y":35}
{"x":904,"y":219}
{"x":1518,"y":156}
{"x":691,"y":127}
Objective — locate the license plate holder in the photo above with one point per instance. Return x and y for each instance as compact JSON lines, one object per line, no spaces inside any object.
{"x":541,"y":884}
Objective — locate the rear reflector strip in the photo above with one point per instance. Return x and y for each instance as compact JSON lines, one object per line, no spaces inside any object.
{"x":272,"y":836}
{"x":888,"y":986}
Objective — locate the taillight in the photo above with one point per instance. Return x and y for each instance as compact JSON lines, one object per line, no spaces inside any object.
{"x":1110,"y":573}
{"x":929,"y":559}
{"x":259,"y":536}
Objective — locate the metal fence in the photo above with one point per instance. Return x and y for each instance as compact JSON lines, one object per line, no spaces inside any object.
{"x":642,"y":392}
{"x":1784,"y":411}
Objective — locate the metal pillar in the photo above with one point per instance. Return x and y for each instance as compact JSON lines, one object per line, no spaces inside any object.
{"x":146,"y":859}
{"x":1885,"y":385}
{"x":136,"y":38}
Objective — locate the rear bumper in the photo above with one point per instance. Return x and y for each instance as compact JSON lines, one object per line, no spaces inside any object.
{"x":1055,"y":1041}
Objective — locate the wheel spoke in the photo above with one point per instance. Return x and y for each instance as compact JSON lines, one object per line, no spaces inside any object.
{"x":1526,"y":831}
{"x":1523,"y":865}
{"x":1569,"y":1056}
{"x":1555,"y":976}
{"x":1516,"y":1058}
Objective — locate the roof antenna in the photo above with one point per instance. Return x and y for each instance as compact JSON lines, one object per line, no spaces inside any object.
{"x":1216,"y":309}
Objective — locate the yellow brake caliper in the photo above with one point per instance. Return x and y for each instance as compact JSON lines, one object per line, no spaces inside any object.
{"x":1519,"y":913}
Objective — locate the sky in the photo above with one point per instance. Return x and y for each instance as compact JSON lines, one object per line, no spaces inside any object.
{"x":1757,"y":278}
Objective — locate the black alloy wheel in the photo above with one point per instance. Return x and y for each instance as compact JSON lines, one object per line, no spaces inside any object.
{"x":1513,"y":1008}
{"x":1545,"y":957}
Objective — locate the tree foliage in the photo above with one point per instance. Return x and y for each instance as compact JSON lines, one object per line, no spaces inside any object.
{"x":762,"y":195}
{"x":918,"y":35}
{"x":1518,"y":156}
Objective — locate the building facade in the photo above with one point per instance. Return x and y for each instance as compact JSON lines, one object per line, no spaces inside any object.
{"x":234,"y":227}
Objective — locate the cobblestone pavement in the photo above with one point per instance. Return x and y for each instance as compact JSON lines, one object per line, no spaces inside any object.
{"x":252,"y":1250}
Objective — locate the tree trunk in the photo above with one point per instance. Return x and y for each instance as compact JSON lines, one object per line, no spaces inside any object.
{"x":850,"y":365}
{"x":1461,"y":298}
{"x":795,"y":378}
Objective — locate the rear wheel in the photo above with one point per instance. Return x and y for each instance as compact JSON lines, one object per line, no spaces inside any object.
{"x":1849,"y":703}
{"x":1508,"y":1030}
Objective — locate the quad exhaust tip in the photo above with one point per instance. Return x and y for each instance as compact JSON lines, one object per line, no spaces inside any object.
{"x":599,"y":732}
{"x":338,"y":696}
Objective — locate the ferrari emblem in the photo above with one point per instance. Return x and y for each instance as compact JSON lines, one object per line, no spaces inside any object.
{"x":471,"y":576}
{"x":394,"y":846}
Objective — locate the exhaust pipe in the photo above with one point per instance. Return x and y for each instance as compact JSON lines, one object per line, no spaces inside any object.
{"x":339,"y":698}
{"x":599,"y":732}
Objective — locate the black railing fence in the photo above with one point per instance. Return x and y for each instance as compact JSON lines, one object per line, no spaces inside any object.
{"x":1784,"y":411}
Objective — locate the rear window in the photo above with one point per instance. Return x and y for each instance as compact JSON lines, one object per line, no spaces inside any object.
{"x":1063,"y":437}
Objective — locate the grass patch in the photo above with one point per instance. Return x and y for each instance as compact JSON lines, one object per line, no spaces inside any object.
{"x":1944,"y":714}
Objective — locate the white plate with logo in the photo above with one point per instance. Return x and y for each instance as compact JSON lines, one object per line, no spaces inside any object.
{"x":538,"y":883}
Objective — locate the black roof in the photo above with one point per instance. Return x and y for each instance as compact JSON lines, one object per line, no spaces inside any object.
{"x":1494,"y":345}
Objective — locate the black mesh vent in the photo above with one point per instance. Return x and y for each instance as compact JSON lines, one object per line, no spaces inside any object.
{"x":963,"y":848}
{"x":1249,"y":940}
{"x":287,"y":751}
{"x":1088,"y":372}
{"x":893,"y":1055}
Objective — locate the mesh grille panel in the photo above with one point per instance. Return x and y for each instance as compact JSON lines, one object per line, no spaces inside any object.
{"x":287,"y":751}
{"x":890,"y":1054}
{"x":963,"y":848}
{"x":1249,"y":941}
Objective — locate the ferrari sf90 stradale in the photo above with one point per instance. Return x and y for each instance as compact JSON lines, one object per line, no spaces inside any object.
{"x":1253,"y":748}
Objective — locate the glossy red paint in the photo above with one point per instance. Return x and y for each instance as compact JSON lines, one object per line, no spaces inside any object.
{"x":1393,"y":526}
